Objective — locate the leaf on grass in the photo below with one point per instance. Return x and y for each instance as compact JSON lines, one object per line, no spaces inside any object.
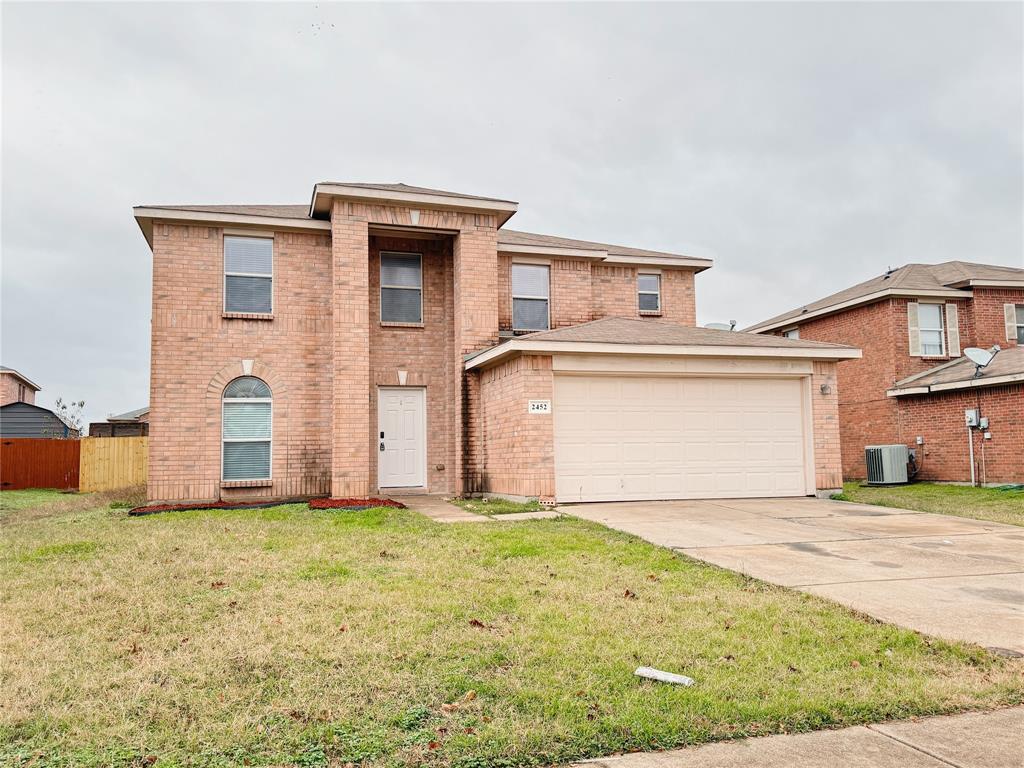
{"x":449,"y":707}
{"x":470,"y":695}
{"x":434,"y":745}
{"x":629,"y":594}
{"x":217,"y":584}
{"x":477,"y":623}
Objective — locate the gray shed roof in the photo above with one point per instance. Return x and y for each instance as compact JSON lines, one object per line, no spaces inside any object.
{"x":1007,"y":367}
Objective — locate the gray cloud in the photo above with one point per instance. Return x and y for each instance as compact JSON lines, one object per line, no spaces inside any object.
{"x":808,"y":145}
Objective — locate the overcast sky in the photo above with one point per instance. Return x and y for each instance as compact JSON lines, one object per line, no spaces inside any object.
{"x":808,"y":146}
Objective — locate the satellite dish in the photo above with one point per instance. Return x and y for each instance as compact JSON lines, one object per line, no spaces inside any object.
{"x":719,"y":326}
{"x":980,"y":357}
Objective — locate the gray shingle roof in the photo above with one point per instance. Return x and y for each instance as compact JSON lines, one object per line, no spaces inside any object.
{"x":512,"y":237}
{"x":1007,"y":362}
{"x":911,"y":277}
{"x":400,"y":187}
{"x":626,"y":330}
{"x":130,"y":415}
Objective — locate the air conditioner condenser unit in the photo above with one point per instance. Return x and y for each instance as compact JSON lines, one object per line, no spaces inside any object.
{"x":887,"y":464}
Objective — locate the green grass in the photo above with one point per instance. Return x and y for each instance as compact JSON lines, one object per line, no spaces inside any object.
{"x":33,"y":497}
{"x":961,"y":500}
{"x":291,"y":637}
{"x":497,"y":506}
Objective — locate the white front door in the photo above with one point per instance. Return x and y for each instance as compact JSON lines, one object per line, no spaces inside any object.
{"x":401,"y":437}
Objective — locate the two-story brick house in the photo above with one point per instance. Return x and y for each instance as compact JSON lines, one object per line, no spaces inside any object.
{"x":912,"y":384}
{"x":387,"y":337}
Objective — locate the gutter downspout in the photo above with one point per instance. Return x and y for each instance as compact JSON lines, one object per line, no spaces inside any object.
{"x":970,"y":446}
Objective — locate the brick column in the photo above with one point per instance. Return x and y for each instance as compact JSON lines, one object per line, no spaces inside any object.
{"x":350,"y":335}
{"x":475,"y":259}
{"x":828,"y":469}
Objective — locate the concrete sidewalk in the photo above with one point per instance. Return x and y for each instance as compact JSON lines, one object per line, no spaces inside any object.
{"x":974,"y":740}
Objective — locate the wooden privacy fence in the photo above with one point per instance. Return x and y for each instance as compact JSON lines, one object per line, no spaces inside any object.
{"x":108,"y":463}
{"x":29,"y":462}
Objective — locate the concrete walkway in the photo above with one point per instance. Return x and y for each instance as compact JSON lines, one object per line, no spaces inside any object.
{"x":437,"y":509}
{"x":973,"y":740}
{"x":948,"y":576}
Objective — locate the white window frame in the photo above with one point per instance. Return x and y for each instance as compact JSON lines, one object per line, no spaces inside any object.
{"x":380,"y":291}
{"x":941,"y":329}
{"x":224,"y":263}
{"x":1018,"y":311}
{"x":791,"y":333}
{"x":546,"y":299}
{"x":270,"y":464}
{"x":639,"y":293}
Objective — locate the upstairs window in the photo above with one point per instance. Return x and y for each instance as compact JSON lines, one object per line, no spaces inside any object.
{"x":530,"y":297}
{"x":246,"y":430}
{"x":249,"y":274}
{"x":1020,"y":323}
{"x":648,"y":297}
{"x":792,"y":333}
{"x":401,"y":288}
{"x":929,"y":317}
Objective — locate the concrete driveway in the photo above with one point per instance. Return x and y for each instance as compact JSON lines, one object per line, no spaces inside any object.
{"x":947,"y":576}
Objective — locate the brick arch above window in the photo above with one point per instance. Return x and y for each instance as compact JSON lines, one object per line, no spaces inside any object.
{"x":238,"y":368}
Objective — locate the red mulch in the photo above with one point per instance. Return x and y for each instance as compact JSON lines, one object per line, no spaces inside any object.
{"x":354,"y":503}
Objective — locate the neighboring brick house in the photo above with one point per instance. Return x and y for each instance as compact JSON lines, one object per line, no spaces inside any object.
{"x":395,"y":338}
{"x":131,"y":424}
{"x":914,"y":322}
{"x":16,"y":388}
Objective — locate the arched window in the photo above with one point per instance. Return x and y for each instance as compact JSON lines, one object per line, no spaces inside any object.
{"x":246,"y":430}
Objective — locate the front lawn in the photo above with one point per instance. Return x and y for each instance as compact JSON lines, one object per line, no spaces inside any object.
{"x":286,"y":636}
{"x":497,"y":506}
{"x":990,"y":504}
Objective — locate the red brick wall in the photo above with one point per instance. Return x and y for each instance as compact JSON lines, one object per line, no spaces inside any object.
{"x":989,"y":325}
{"x":14,"y":390}
{"x":828,"y":465}
{"x":867,"y":416}
{"x":516,"y":450}
{"x":582,"y":290}
{"x":196,"y":352}
{"x":939,"y":419}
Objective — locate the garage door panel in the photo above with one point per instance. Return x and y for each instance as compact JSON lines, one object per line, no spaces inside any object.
{"x":663,"y":438}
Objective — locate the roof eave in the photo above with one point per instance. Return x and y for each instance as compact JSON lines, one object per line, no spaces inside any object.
{"x":598,"y":255}
{"x":952,"y":386}
{"x":496,"y":354}
{"x":791,"y":320}
{"x":320,"y":203}
{"x":987,"y":284}
{"x":145,"y":216}
{"x":24,"y":378}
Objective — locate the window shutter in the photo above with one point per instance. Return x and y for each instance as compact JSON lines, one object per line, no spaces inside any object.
{"x":913,"y":329}
{"x":1010,"y":315}
{"x":952,"y":331}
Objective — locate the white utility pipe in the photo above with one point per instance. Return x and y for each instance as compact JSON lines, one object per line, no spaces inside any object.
{"x":970,"y":446}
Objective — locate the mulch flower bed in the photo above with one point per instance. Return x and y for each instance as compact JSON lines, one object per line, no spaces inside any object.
{"x":353,"y":504}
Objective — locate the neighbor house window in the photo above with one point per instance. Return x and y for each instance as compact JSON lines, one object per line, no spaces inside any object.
{"x":530,"y":297}
{"x":246,"y":430}
{"x":249,"y":274}
{"x":648,"y":293}
{"x":401,"y":288}
{"x":792,"y":333}
{"x":929,"y":319}
{"x":1020,"y":323}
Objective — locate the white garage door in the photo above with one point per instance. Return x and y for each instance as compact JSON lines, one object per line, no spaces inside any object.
{"x":631,"y":438}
